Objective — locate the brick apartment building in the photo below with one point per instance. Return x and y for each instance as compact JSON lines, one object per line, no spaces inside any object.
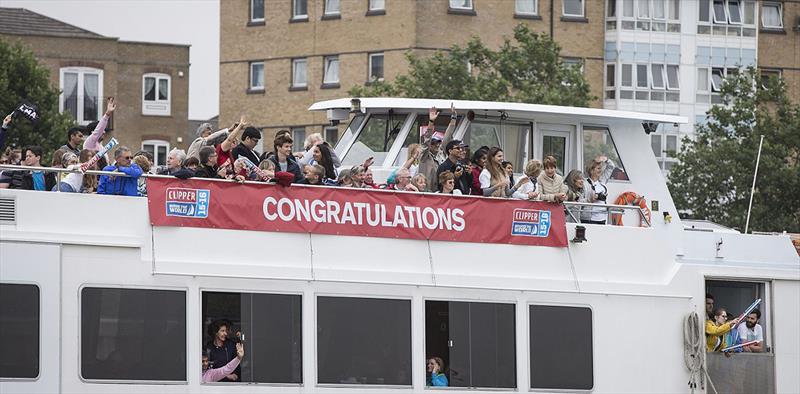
{"x":149,"y":81}
{"x":273,"y":53}
{"x":662,"y":56}
{"x":779,"y":43}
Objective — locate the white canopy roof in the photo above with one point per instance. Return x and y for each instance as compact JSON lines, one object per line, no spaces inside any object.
{"x":521,"y":110}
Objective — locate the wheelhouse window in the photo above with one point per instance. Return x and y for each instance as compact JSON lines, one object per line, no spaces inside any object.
{"x":475,"y":340}
{"x":300,"y":73}
{"x":81,"y":93}
{"x":158,"y":149}
{"x":257,"y":76}
{"x":331,"y":71}
{"x":156,"y":94}
{"x":597,"y":141}
{"x":19,"y":331}
{"x":512,"y":137}
{"x":526,"y":7}
{"x":256,"y":10}
{"x":269,"y":324}
{"x":363,"y":341}
{"x":572,"y":8}
{"x":375,"y":139}
{"x":299,"y":9}
{"x":561,"y":348}
{"x":420,"y":127}
{"x":772,"y":15}
{"x":133,"y":334}
{"x":376,"y":67}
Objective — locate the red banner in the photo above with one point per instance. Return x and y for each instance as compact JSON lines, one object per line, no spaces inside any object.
{"x":358,"y":212}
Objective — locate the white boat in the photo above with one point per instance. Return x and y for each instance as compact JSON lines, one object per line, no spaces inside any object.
{"x":94,"y":298}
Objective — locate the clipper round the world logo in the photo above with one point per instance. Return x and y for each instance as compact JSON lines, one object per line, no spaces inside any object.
{"x":531,"y":223}
{"x":188,"y":203}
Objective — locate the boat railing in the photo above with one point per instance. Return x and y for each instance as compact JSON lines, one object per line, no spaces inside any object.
{"x":573,"y":209}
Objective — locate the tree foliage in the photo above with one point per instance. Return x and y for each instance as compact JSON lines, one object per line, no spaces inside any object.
{"x":715,"y":173}
{"x":526,"y":69}
{"x":22,"y":78}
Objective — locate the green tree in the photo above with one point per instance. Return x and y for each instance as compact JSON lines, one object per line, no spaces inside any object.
{"x":22,"y":78}
{"x":526,"y":69}
{"x":715,"y":173}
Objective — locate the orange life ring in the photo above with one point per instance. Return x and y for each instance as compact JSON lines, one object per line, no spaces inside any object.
{"x":630,"y":198}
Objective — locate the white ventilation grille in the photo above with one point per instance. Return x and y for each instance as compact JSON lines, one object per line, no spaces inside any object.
{"x":8,"y":210}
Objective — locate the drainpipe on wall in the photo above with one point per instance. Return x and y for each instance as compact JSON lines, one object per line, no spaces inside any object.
{"x":551,"y":18}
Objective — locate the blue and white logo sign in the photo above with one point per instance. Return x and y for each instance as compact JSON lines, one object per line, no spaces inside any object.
{"x":531,"y":223}
{"x":188,"y":203}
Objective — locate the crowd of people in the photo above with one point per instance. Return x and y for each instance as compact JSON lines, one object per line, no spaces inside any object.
{"x":723,"y":330}
{"x":438,"y":164}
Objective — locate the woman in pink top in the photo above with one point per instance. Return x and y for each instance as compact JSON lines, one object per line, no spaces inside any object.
{"x":95,"y":141}
{"x":216,"y":374}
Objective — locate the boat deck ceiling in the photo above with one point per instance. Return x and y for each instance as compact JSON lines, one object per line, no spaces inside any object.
{"x":514,"y":110}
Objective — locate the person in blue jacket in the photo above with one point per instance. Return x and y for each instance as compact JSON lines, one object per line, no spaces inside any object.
{"x":436,"y":376}
{"x":121,"y":185}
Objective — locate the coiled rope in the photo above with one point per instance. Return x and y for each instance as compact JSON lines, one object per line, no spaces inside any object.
{"x":694,"y":352}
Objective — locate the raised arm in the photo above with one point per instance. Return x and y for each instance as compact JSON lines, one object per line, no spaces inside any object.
{"x":4,"y":130}
{"x":97,"y":133}
{"x":451,"y":127}
{"x":233,"y":137}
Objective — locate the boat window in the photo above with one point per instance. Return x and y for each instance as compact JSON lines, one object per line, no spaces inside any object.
{"x":19,"y":331}
{"x":414,"y":134}
{"x":561,"y":348}
{"x":475,"y":340}
{"x":735,"y":297}
{"x":512,"y":137}
{"x":375,"y":139}
{"x":133,"y":334}
{"x":597,"y":141}
{"x":363,"y":341}
{"x":270,"y":326}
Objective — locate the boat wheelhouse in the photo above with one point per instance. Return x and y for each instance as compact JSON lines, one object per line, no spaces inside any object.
{"x":104,"y":297}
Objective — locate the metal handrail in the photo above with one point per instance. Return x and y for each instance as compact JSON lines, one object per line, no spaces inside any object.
{"x":609,"y":210}
{"x":608,"y":207}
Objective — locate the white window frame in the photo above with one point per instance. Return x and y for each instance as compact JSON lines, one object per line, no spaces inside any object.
{"x":250,"y":76}
{"x":295,"y":15}
{"x":664,"y":9}
{"x":295,"y":130}
{"x":770,"y":73}
{"x":295,"y":62}
{"x":648,"y":82}
{"x":730,"y":15}
{"x":156,"y":144}
{"x":157,"y":107}
{"x":669,"y":8}
{"x":372,"y":7}
{"x":252,"y":8}
{"x":622,"y":75}
{"x":327,"y":12}
{"x":564,"y":9}
{"x":780,"y":14}
{"x":677,"y":77}
{"x":653,"y":79}
{"x":325,"y":63}
{"x":535,"y":7}
{"x":453,"y":4}
{"x":707,"y":77}
{"x":714,"y":87}
{"x":572,"y":62}
{"x":81,"y":71}
{"x":369,"y":67}
{"x":649,"y":9}
{"x":725,"y":17}
{"x":611,"y":70}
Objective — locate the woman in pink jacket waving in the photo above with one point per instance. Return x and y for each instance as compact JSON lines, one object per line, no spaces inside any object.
{"x":216,"y":374}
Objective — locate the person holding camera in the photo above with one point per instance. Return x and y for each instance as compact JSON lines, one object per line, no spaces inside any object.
{"x":599,"y":170}
{"x":221,"y":350}
{"x":461,"y":172}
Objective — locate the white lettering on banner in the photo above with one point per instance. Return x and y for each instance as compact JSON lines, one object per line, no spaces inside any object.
{"x":357,"y":213}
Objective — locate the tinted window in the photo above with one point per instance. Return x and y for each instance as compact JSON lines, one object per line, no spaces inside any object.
{"x":363,"y":341}
{"x":375,"y":139}
{"x":597,"y":141}
{"x":476,"y":341}
{"x":272,"y":327}
{"x":561,"y":348}
{"x":19,"y":331}
{"x":133,"y":334}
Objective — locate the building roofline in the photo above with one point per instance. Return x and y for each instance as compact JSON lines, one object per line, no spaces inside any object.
{"x":154,"y":43}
